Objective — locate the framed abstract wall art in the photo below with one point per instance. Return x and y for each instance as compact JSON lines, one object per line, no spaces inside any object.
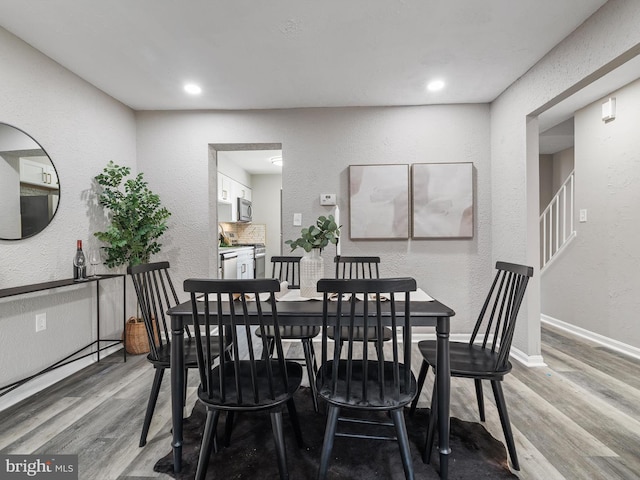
{"x":378,"y":202}
{"x":442,"y":200}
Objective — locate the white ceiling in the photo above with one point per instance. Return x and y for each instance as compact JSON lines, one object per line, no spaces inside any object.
{"x":255,"y":162}
{"x":252,"y":54}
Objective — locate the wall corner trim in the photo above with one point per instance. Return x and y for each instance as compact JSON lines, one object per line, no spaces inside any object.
{"x":530,"y":361}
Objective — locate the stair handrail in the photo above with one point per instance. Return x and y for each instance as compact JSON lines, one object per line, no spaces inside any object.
{"x":552,"y":242}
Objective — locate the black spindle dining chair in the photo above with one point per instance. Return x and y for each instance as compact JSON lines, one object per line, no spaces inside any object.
{"x":156,"y":294}
{"x":246,"y":382}
{"x":354,"y":267}
{"x":486,"y":355}
{"x":357,"y":267}
{"x":359,"y":381}
{"x":287,"y":268}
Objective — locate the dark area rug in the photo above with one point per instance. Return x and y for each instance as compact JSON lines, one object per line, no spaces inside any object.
{"x":475,"y":453}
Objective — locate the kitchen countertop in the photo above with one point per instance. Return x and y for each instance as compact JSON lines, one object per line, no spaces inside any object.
{"x":234,"y":247}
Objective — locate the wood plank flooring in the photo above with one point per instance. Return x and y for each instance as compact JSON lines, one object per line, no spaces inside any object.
{"x":577,"y":418}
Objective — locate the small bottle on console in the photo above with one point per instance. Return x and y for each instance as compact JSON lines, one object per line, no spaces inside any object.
{"x":79,"y":263}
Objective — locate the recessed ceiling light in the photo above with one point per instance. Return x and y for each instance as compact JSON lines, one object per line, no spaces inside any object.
{"x":435,"y":85}
{"x":192,"y":88}
{"x":276,"y":161}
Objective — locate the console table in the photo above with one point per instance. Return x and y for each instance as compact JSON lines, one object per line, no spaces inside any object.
{"x":37,"y":287}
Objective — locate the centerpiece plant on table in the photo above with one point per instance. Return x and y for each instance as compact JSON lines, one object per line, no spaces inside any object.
{"x":325,"y":231}
{"x":137,"y":220}
{"x":312,"y":240}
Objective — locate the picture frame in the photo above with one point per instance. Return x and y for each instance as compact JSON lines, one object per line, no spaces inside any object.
{"x":442,"y":200}
{"x":379,"y":201}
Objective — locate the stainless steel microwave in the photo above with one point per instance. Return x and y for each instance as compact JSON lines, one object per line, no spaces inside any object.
{"x":244,"y":210}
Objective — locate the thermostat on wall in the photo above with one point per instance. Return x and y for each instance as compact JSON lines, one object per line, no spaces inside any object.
{"x":327,"y":199}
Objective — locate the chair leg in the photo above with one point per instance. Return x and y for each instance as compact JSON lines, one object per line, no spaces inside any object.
{"x":151,"y":405}
{"x":504,"y":420}
{"x":184,"y":387}
{"x":293,"y":415}
{"x":278,"y":437}
{"x":327,"y":444}
{"x":379,"y":350}
{"x":480,"y":397}
{"x":308,"y":360}
{"x":266,"y":352}
{"x":431,"y":429}
{"x":228,"y":427}
{"x":207,"y":443}
{"x":403,"y":442}
{"x":424,"y":369}
{"x":313,"y":356}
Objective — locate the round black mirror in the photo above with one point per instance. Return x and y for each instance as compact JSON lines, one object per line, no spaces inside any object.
{"x":29,"y":187}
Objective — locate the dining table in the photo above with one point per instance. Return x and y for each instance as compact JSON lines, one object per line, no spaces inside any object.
{"x":309,"y":312}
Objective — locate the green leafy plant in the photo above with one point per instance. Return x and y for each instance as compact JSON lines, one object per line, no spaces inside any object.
{"x":137,"y":217}
{"x":325,"y":231}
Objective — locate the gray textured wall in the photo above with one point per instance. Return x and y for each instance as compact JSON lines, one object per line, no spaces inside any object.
{"x":595,"y":284}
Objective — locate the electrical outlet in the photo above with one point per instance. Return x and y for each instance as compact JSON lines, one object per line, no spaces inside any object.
{"x":41,"y":322}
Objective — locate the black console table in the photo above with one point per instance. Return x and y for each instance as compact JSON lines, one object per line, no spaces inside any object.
{"x":37,"y":287}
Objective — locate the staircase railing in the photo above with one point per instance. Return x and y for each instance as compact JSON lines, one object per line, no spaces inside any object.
{"x":556,"y":222}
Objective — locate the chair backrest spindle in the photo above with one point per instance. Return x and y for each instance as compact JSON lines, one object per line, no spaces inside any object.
{"x":241,"y":378}
{"x":497,"y":319}
{"x":286,"y":268}
{"x":156,"y":294}
{"x":375,"y":379}
{"x":357,"y":267}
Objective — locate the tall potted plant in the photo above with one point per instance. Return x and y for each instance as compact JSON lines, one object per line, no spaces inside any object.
{"x":137,"y":217}
{"x":138,"y":220}
{"x":313,"y":240}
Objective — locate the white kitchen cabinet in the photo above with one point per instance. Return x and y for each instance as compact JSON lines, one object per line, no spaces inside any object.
{"x":245,"y":263}
{"x":224,"y":188}
{"x":241,"y":191}
{"x":229,"y":190}
{"x":38,"y":173}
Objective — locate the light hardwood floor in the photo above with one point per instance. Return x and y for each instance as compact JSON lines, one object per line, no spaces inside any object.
{"x":577,"y":418}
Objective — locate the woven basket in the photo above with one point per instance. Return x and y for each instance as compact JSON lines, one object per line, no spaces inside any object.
{"x":135,"y":332}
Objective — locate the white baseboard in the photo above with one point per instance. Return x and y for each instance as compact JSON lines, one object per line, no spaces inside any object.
{"x":594,"y":337}
{"x":45,"y":380}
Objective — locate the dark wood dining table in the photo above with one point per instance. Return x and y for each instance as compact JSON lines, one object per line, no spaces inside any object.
{"x":423,"y":313}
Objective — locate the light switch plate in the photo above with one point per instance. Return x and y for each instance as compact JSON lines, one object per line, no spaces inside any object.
{"x":41,"y":322}
{"x":583,"y":215}
{"x":297,"y":219}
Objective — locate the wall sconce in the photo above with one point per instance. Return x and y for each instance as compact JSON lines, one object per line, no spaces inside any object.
{"x":276,"y":161}
{"x":609,"y":110}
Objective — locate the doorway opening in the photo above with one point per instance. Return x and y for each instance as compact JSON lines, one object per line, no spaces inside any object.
{"x":583,"y":167}
{"x":245,"y":183}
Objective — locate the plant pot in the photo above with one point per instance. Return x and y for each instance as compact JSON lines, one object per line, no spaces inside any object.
{"x":311,"y":270}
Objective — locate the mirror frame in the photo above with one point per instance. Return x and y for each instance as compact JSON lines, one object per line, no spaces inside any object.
{"x":45,"y":153}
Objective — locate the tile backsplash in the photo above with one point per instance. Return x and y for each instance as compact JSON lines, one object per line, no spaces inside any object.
{"x":246,"y":232}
